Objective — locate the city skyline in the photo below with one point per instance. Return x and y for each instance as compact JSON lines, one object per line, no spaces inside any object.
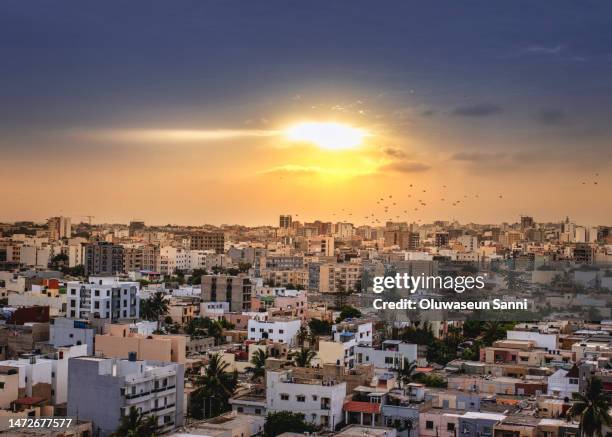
{"x":193,"y":118}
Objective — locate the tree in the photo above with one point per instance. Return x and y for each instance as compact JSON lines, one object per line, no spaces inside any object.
{"x":155,"y":308}
{"x":302,"y":335}
{"x":303,"y":357}
{"x":406,"y":372}
{"x":348,"y":312}
{"x":259,"y":363}
{"x":213,"y":389}
{"x":592,"y":409}
{"x":320,"y":327}
{"x":286,"y":421}
{"x":136,"y":425}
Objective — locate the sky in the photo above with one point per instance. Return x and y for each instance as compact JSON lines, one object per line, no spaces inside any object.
{"x":178,"y":112}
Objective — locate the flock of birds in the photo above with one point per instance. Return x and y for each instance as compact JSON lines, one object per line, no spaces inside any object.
{"x":390,"y":207}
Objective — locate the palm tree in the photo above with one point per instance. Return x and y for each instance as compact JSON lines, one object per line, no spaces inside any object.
{"x":259,"y":363}
{"x":303,"y":357}
{"x":136,"y":425}
{"x":155,"y":308}
{"x":215,"y":330}
{"x":214,"y":389}
{"x":406,"y":372}
{"x":592,"y":409}
{"x":302,"y":335}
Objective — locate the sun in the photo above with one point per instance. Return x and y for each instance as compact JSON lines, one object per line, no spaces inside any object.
{"x":327,"y":135}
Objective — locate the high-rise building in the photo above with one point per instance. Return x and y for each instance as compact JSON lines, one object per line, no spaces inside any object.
{"x":59,"y":227}
{"x":526,"y":222}
{"x":140,"y":257}
{"x":208,"y":241}
{"x":153,"y":388}
{"x":103,"y":258}
{"x":225,"y":288}
{"x":135,"y":227}
{"x":442,"y":239}
{"x":284,"y":221}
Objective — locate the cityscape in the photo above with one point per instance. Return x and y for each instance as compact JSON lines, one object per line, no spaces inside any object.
{"x":290,"y":218}
{"x":268,"y":330}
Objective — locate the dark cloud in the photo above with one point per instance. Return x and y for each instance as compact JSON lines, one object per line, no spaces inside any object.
{"x":477,"y":110}
{"x":406,"y":167}
{"x":551,"y":116}
{"x":477,"y":156}
{"x":394,"y":152}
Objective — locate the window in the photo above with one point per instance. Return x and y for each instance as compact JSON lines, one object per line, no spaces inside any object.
{"x":315,"y":397}
{"x":388,"y":360}
{"x":240,"y":409}
{"x":573,"y":381}
{"x":300,"y":398}
{"x":450,"y":426}
{"x":281,"y":331}
{"x":252,"y":329}
{"x":257,"y":410}
{"x":429,"y":424}
{"x":284,"y":397}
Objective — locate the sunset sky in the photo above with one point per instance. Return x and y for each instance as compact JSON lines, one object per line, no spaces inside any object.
{"x":183,"y":111}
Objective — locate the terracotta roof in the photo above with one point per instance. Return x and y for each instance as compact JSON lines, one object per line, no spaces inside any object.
{"x":424,"y":369}
{"x":361,"y":407}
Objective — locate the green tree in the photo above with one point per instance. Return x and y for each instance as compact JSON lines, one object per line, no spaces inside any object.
{"x":303,"y":357}
{"x":406,"y":371}
{"x":286,"y":421}
{"x":320,"y":327}
{"x":591,"y":409}
{"x":136,"y":425}
{"x":348,"y":312}
{"x":213,"y":389}
{"x":258,"y":360}
{"x":155,"y":308}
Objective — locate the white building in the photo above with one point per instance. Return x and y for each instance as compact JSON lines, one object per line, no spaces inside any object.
{"x":360,"y":330}
{"x":391,"y":355}
{"x":281,"y":330}
{"x":469,"y":243}
{"x":563,"y":382}
{"x":319,"y":400}
{"x":214,"y":310}
{"x":103,"y":297}
{"x":35,"y":371}
{"x":172,"y":259}
{"x":546,"y":341}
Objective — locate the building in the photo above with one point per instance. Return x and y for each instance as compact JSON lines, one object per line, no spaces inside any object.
{"x":103,"y":258}
{"x":59,"y":227}
{"x":208,"y":241}
{"x":136,"y":227}
{"x":391,"y":354}
{"x":284,"y":221}
{"x":154,"y":388}
{"x":69,"y":332}
{"x":120,"y":341}
{"x":225,"y":288}
{"x":103,"y":298}
{"x":281,"y":330}
{"x":140,"y":257}
{"x":320,"y":400}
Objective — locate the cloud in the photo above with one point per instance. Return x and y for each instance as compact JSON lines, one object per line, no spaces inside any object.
{"x":551,"y":116}
{"x":477,"y":110}
{"x":405,"y":167}
{"x":428,"y":113}
{"x":477,"y":156}
{"x":541,"y":50}
{"x":394,"y":152}
{"x":294,"y":169}
{"x":178,"y":135}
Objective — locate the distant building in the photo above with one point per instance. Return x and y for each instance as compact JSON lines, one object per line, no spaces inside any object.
{"x":284,"y":221}
{"x":59,"y":227}
{"x":103,"y":258}
{"x":103,"y":390}
{"x":68,"y":332}
{"x":225,"y":288}
{"x":136,"y":227}
{"x":208,"y":241}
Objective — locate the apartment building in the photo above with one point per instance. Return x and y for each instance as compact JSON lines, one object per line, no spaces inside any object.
{"x":69,"y":332}
{"x":58,"y":228}
{"x":236,"y":290}
{"x":138,"y":257}
{"x":390,"y":355}
{"x":208,"y":241}
{"x":320,"y":400}
{"x":281,"y":330}
{"x":103,"y":258}
{"x":154,"y":388}
{"x":103,"y":297}
{"x":340,"y":277}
